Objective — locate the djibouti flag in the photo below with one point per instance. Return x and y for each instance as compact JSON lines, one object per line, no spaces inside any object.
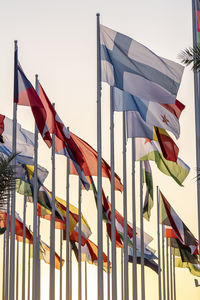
{"x":148,"y":180}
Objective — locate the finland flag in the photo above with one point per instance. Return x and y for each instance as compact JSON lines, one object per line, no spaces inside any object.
{"x":134,"y":68}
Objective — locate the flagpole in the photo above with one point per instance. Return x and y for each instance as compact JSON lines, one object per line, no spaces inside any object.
{"x":122,"y":275}
{"x":85,"y":280}
{"x":174,"y":276}
{"x":167,"y":259}
{"x":163,"y":261}
{"x":108,"y":268}
{"x":29,"y":265}
{"x":3,"y":281}
{"x":99,"y":163}
{"x":158,"y":235}
{"x":79,"y":243}
{"x":7,"y":246}
{"x":113,"y":226}
{"x":134,"y":224}
{"x":67,"y":232}
{"x":142,"y":234}
{"x":24,"y":251}
{"x":70,"y":270}
{"x":38,"y":258}
{"x":61,"y":239}
{"x":171,"y":274}
{"x":13,"y":197}
{"x":17,"y":272}
{"x":126,"y":291}
{"x":35,"y":191}
{"x":52,"y":228}
{"x":197,"y":111}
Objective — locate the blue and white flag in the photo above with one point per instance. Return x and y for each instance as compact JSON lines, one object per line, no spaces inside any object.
{"x":134,"y":68}
{"x":25,"y":141}
{"x":154,"y":114}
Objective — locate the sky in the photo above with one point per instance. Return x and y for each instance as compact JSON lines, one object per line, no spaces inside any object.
{"x":57,"y":41}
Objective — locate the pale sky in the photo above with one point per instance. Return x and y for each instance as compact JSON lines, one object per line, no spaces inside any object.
{"x":57,"y":41}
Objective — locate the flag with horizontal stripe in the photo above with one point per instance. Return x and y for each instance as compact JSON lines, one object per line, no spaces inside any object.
{"x":165,"y":116}
{"x":132,"y":67}
{"x":148,"y":181}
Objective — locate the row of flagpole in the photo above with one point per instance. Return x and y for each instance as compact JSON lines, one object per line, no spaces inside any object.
{"x":99,"y":203}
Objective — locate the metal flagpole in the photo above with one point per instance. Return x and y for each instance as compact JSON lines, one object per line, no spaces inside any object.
{"x":61,"y":239}
{"x":163,"y":261}
{"x":174,"y":276}
{"x":158,"y":236}
{"x":167,"y":260}
{"x":52,"y":228}
{"x":171,"y":273}
{"x":99,"y":163}
{"x":67,"y":232}
{"x":108,"y":268}
{"x":17,"y":272}
{"x":126,"y":291}
{"x":79,"y":242}
{"x":85,"y":280}
{"x":142,"y":234}
{"x":38,"y":259}
{"x":7,"y":247}
{"x":134,"y":224}
{"x":70,"y":270}
{"x":13,"y":196}
{"x":122,"y":275}
{"x":29,"y":265}
{"x":197,"y":110}
{"x":24,"y":251}
{"x":4,"y":256}
{"x":113,"y":227}
{"x":35,"y":191}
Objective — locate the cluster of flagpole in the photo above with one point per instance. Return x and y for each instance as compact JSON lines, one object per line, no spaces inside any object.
{"x":166,"y":265}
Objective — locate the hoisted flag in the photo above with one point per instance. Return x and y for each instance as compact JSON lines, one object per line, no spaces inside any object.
{"x":165,"y":116}
{"x":134,"y":68}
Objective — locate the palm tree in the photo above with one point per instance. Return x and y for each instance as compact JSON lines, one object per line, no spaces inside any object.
{"x":191,"y":56}
{"x":7,"y":178}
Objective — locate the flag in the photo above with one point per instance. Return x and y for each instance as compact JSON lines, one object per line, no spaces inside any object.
{"x":146,"y":149}
{"x":26,"y":174}
{"x":46,"y":118}
{"x":25,"y":141}
{"x":90,"y":163}
{"x":132,"y":67}
{"x":89,"y":253}
{"x":148,"y":180}
{"x":45,"y":254}
{"x":18,"y":226}
{"x":165,"y":116}
{"x":169,"y":217}
{"x":148,"y":258}
{"x":193,"y":268}
{"x":180,"y":250}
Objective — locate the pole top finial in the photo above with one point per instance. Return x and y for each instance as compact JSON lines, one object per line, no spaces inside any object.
{"x":97,"y":14}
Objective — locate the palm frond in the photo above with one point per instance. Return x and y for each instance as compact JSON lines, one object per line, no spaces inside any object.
{"x":191,"y":56}
{"x":7,"y":178}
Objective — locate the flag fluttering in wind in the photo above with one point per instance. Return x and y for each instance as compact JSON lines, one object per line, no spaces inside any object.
{"x":146,"y":149}
{"x":47,"y":120}
{"x":45,"y":255}
{"x":18,"y":226}
{"x":148,"y":180}
{"x":169,"y":217}
{"x":90,"y":163}
{"x":25,"y":141}
{"x":165,"y":116}
{"x":134,"y":68}
{"x":89,"y":253}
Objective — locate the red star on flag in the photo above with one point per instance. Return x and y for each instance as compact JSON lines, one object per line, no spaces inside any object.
{"x":147,"y":141}
{"x":164,"y":119}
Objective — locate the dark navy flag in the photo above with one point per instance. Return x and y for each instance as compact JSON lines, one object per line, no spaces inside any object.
{"x":134,"y":68}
